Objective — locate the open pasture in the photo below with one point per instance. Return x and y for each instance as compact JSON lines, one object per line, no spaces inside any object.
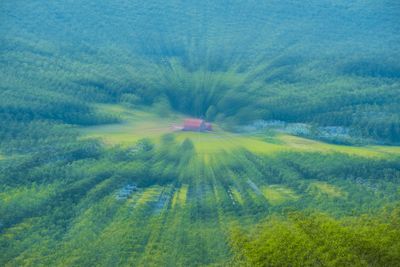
{"x":137,"y":124}
{"x":133,"y":126}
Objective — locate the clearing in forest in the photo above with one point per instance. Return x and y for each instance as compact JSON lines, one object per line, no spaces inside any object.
{"x":278,"y":194}
{"x":134,"y":125}
{"x":137,"y":124}
{"x":328,"y":189}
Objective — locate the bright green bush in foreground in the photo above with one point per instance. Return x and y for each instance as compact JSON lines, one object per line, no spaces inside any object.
{"x":320,"y":240}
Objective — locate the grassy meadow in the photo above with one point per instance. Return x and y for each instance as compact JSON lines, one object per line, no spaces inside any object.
{"x":135,"y":124}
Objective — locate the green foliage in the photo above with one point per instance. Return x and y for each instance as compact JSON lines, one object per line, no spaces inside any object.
{"x":317,"y":239}
{"x":183,"y":204}
{"x":69,"y":200}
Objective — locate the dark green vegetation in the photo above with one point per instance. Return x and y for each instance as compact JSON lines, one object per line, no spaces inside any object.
{"x":67,"y":199}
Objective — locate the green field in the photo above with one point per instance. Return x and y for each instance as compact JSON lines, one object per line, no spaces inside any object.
{"x":136,"y":125}
{"x":278,"y":194}
{"x":328,"y":189}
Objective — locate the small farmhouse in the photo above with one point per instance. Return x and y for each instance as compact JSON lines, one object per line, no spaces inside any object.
{"x":196,"y":125}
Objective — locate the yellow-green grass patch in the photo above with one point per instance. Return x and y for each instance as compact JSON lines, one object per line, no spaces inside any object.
{"x":149,"y":195}
{"x":134,"y":125}
{"x":138,"y":124}
{"x":27,"y":196}
{"x":180,"y":196}
{"x":327,"y":189}
{"x":278,"y":194}
{"x":307,"y":145}
{"x":236,"y":195}
{"x":219,"y":141}
{"x":206,"y":159}
{"x":16,"y":230}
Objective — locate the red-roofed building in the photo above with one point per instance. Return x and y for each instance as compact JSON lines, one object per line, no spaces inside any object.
{"x":197,"y":125}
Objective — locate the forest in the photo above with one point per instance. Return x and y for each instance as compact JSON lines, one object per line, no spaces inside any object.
{"x":93,"y":172}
